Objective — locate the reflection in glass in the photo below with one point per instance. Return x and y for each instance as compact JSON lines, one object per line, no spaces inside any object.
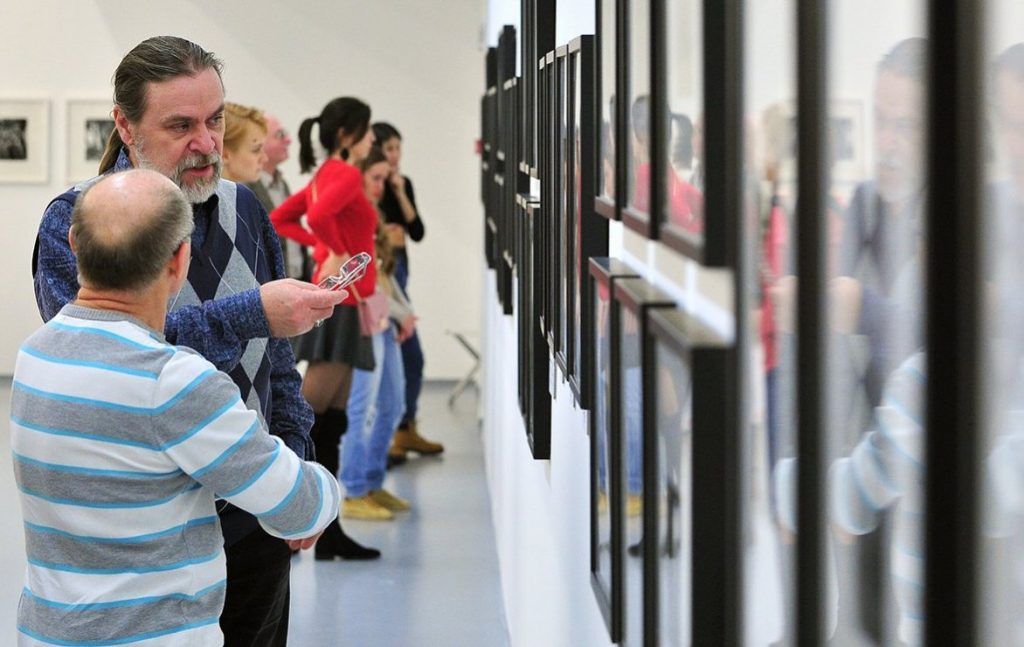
{"x":674,"y":421}
{"x":769,"y":434}
{"x":564,"y":263}
{"x":684,"y":207}
{"x":574,"y":249}
{"x":638,"y":169}
{"x":606,"y":171}
{"x":1002,"y":541}
{"x":630,"y":424}
{"x":875,"y":367}
{"x":602,"y":434}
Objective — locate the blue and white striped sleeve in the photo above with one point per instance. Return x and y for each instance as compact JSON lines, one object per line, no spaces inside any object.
{"x":206,"y":429}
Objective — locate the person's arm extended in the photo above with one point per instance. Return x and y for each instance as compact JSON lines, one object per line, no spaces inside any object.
{"x":54,"y":273}
{"x":211,"y":435}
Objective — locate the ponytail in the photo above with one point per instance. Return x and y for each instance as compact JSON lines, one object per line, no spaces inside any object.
{"x":111,"y":152}
{"x":307,"y":160}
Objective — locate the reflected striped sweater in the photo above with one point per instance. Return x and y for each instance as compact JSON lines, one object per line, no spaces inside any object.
{"x":120,"y":444}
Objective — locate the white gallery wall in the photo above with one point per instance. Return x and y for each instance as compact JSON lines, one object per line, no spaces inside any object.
{"x":414,"y":61}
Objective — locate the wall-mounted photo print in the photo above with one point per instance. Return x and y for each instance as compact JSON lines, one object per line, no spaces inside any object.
{"x":24,"y":141}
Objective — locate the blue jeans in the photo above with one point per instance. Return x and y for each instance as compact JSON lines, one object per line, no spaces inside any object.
{"x":375,"y":407}
{"x":412,"y":352}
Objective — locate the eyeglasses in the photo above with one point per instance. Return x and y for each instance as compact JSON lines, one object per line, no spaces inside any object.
{"x":353,"y":270}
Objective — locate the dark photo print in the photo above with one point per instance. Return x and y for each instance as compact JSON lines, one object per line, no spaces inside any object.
{"x":12,"y":139}
{"x":97,"y":131}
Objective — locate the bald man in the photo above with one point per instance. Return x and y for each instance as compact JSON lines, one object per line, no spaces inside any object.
{"x":122,"y":442}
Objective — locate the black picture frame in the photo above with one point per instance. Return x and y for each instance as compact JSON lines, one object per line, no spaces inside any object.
{"x":560,"y":220}
{"x":587,"y":231}
{"x":681,"y":415}
{"x":528,"y":54}
{"x":537,"y":417}
{"x":607,"y":84}
{"x":505,"y":174}
{"x":637,"y":137}
{"x":489,"y":166}
{"x":605,"y":524}
{"x":633,"y":299}
{"x":544,"y":125}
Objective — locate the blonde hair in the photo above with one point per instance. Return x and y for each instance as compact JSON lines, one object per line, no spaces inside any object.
{"x":237,"y":120}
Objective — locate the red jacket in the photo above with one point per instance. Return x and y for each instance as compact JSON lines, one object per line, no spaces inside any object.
{"x":339,"y":217}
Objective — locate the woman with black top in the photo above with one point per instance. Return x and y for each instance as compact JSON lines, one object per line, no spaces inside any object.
{"x":402,"y":221}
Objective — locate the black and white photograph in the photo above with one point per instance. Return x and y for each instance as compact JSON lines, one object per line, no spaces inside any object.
{"x":89,"y":122}
{"x":24,"y":145}
{"x":12,"y":139}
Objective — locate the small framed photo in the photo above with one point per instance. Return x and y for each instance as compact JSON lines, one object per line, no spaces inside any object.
{"x":679,"y":415}
{"x":89,"y":125}
{"x":633,"y":299}
{"x":537,"y":398}
{"x":587,"y":232}
{"x":24,"y":141}
{"x":605,"y":514}
{"x":605,"y":202}
{"x":636,"y":212}
{"x":560,"y":230}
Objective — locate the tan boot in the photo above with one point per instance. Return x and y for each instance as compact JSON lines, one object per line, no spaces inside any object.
{"x":364,"y":507}
{"x":408,"y":439}
{"x":385,"y":499}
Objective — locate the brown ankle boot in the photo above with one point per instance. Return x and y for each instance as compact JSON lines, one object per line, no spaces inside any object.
{"x":407,"y":439}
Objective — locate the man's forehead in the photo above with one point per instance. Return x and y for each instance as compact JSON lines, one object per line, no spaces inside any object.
{"x":186,"y":95}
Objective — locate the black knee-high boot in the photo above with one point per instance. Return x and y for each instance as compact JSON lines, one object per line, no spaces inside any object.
{"x":328,"y":428}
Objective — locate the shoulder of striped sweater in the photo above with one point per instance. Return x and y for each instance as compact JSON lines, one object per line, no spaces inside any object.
{"x":124,"y":329}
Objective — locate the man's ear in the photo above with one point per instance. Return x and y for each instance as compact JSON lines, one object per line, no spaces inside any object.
{"x":71,"y":239}
{"x":123,"y":127}
{"x":178,"y":266}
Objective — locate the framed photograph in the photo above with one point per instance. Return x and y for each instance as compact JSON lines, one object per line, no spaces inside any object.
{"x":637,"y":139}
{"x":607,"y":79}
{"x":678,"y":164}
{"x":490,"y":180}
{"x":677,"y":413}
{"x":551,"y":191}
{"x":633,"y":299}
{"x":587,"y":231}
{"x":543,"y":158}
{"x":537,"y":396}
{"x":24,"y":141}
{"x":90,"y":123}
{"x":605,"y":453}
{"x":560,"y":230}
{"x":506,"y":169}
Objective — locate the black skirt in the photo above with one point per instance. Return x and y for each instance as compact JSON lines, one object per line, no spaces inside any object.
{"x":339,"y":339}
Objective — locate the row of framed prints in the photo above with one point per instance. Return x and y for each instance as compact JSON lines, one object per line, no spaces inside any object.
{"x":655,"y":439}
{"x":25,"y":145}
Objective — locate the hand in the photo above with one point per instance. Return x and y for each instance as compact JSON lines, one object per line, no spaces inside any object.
{"x":397,"y":180}
{"x":293,"y":307}
{"x":406,"y":328}
{"x":303,"y":544}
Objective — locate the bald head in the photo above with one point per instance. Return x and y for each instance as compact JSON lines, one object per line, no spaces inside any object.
{"x":126,"y":227}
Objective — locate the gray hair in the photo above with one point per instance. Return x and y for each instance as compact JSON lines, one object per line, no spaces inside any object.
{"x":154,"y":60}
{"x":908,"y":58}
{"x":135,"y":259}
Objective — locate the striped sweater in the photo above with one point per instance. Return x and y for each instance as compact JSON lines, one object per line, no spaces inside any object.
{"x":120,"y":444}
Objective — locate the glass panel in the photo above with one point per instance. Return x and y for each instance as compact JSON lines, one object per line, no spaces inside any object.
{"x":630,"y":423}
{"x":875,"y":365}
{"x":638,"y":169}
{"x":675,"y":426}
{"x":574,"y":232}
{"x":769,"y":434}
{"x":1002,"y":542}
{"x":684,"y":208}
{"x":563,"y":203}
{"x":602,"y":433}
{"x":606,"y":174}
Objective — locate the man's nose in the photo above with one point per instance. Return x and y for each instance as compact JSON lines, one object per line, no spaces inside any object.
{"x":204,"y":142}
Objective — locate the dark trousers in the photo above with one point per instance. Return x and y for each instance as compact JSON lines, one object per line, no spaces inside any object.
{"x":412,"y":352}
{"x":256,"y":604}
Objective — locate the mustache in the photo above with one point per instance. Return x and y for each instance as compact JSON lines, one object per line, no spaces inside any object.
{"x":198,"y":160}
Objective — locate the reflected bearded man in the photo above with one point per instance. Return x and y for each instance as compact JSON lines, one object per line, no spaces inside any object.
{"x":235,"y":309}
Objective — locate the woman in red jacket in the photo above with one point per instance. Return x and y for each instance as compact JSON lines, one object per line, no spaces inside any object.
{"x":339,"y":223}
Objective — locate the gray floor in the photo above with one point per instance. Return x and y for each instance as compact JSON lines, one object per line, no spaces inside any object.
{"x":437,"y":583}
